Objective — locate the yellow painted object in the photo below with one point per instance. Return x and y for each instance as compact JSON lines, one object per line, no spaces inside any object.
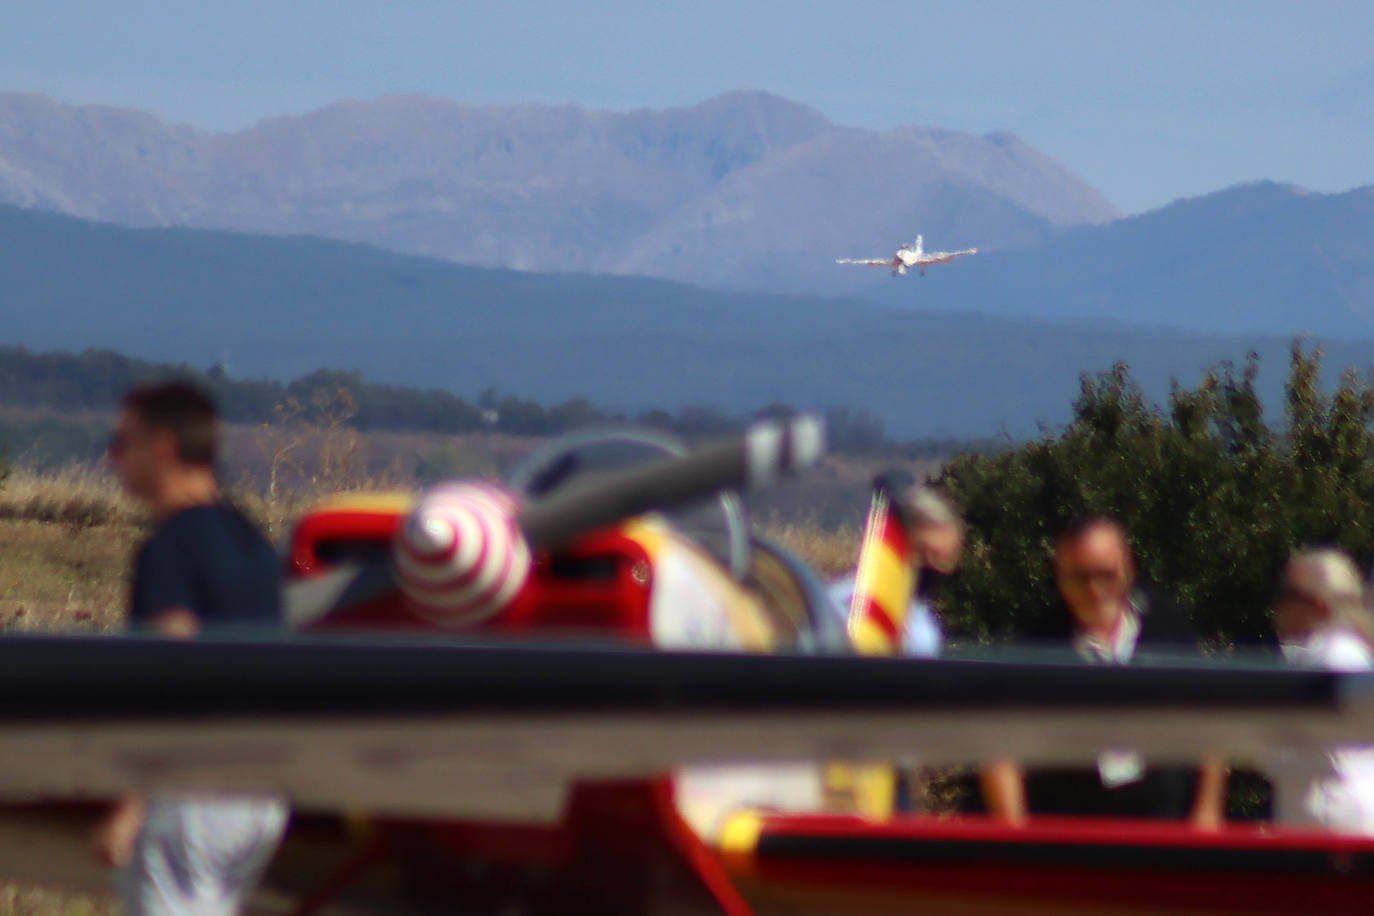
{"x":388,"y":502}
{"x":883,"y":582}
{"x":739,"y":835}
{"x":695,"y":603}
{"x":883,"y":586}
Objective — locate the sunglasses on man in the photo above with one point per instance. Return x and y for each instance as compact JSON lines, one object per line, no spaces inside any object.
{"x":1083,"y":578}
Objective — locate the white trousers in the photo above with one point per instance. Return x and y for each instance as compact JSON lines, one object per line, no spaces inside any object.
{"x":200,"y":855}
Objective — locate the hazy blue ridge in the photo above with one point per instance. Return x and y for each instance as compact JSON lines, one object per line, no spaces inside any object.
{"x":281,"y":307}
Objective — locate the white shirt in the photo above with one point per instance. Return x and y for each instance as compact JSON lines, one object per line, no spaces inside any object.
{"x":1333,"y":648}
{"x":1118,"y":766}
{"x":922,"y":636}
{"x":1122,"y":646}
{"x":1333,"y":789}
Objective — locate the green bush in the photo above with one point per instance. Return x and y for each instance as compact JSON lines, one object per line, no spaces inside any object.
{"x":1213,"y":496}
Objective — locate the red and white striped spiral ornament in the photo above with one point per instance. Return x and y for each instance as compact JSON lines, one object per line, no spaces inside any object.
{"x":460,"y":556}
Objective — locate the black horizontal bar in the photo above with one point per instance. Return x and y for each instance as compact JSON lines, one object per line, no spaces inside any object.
{"x":1104,"y":855}
{"x":60,"y":677}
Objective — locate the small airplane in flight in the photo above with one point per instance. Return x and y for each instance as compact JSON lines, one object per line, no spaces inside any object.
{"x":909,"y":256}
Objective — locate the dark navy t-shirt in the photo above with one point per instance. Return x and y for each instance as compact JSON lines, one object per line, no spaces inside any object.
{"x":212,"y":561}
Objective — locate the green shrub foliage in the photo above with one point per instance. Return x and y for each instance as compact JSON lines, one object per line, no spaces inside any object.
{"x":1213,"y":494}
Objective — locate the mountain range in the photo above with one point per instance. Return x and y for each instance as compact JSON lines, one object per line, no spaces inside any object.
{"x":743,"y":191}
{"x":543,"y":251}
{"x":280,"y":307}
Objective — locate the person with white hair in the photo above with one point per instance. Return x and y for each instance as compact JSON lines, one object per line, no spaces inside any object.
{"x":1320,"y":614}
{"x":1322,"y":622}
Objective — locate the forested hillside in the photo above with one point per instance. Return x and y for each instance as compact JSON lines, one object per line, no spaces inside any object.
{"x":283,"y":308}
{"x":62,"y":402}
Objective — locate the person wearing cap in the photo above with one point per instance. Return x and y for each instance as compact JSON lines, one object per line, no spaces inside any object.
{"x":204,"y":567}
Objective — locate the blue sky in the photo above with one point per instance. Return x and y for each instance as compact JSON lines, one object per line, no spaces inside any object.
{"x":1147,"y":101}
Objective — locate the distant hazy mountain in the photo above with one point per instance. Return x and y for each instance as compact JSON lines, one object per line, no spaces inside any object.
{"x":1259,"y":258}
{"x":743,"y":190}
{"x":281,"y":307}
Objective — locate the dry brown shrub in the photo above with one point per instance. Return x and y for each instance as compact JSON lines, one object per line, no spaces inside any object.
{"x":56,"y":578}
{"x":18,"y":900}
{"x":77,"y":497}
{"x":310,"y":452}
{"x":829,"y":553}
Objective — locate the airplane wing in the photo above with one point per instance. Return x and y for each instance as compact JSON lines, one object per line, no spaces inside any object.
{"x":944,"y":257}
{"x":495,"y":730}
{"x":868,"y":262}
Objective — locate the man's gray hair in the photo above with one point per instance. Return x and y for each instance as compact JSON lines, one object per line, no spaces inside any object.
{"x":1338,"y":585}
{"x":924,"y":507}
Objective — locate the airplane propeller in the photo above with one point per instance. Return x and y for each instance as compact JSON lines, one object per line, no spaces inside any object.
{"x":465,"y":549}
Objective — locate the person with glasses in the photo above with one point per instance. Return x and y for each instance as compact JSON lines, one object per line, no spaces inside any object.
{"x":204,"y":567}
{"x":1110,"y":618}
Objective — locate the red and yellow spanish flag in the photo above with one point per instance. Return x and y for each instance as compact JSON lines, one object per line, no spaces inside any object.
{"x":883,"y":585}
{"x":884,"y":580}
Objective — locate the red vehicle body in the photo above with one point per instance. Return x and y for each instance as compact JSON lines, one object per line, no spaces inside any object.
{"x":624,"y":846}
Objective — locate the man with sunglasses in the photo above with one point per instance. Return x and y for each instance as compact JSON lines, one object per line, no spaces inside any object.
{"x":1109,"y":619}
{"x":204,"y":567}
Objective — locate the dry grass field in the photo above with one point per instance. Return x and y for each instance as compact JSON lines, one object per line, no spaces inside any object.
{"x":35,"y":901}
{"x":65,"y":546}
{"x":66,"y":541}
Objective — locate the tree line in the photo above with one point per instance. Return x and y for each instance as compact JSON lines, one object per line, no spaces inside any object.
{"x":1214,"y":493}
{"x":92,"y":381}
